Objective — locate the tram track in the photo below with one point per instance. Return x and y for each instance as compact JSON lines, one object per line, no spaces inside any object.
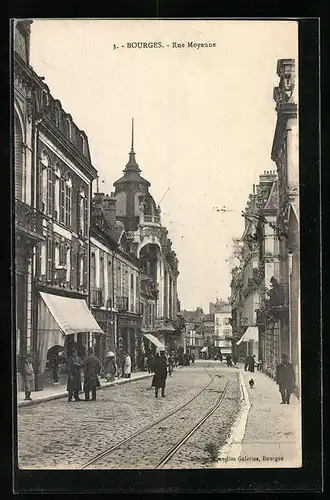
{"x":170,"y":453}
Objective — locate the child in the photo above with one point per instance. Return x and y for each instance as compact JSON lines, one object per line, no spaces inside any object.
{"x":28,"y":377}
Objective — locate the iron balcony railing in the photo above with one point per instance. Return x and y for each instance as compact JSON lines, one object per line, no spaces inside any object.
{"x":97,"y":297}
{"x":122,"y":304}
{"x":27,"y":218}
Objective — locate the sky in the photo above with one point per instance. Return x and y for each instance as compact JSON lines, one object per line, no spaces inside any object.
{"x":204,"y":121}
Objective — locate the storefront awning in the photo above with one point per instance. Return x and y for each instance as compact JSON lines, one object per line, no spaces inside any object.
{"x":250,"y":334}
{"x":203,"y":349}
{"x":154,"y":340}
{"x":71,"y":315}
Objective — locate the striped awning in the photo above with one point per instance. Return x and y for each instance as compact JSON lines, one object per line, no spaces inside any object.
{"x":203,"y":349}
{"x":250,"y":334}
{"x":155,"y":341}
{"x":71,"y":315}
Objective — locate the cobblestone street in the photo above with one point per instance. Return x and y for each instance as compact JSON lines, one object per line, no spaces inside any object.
{"x":55,"y":434}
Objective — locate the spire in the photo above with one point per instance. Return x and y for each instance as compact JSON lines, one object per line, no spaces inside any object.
{"x":132,"y":148}
{"x":132,"y":166}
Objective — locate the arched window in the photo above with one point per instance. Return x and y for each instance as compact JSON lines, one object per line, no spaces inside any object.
{"x":68,"y":127}
{"x":18,"y":166}
{"x":68,"y":201}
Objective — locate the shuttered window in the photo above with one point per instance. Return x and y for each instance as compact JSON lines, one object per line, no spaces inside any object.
{"x":50,"y":257}
{"x":68,"y":202}
{"x":18,"y":151}
{"x":85,"y":217}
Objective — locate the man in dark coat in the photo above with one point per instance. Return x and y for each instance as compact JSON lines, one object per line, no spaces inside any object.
{"x":286,"y":379}
{"x":252,"y":363}
{"x":74,"y":378}
{"x":92,"y":368}
{"x":160,"y":370}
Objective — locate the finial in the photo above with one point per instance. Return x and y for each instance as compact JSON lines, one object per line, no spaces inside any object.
{"x":132,"y":148}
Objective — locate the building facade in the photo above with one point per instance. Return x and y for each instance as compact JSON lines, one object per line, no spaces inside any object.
{"x":286,"y":157}
{"x":53,"y":174}
{"x":223,"y":330}
{"x":138,"y":212}
{"x":115,"y":281}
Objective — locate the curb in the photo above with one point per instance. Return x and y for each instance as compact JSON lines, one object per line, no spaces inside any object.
{"x":230,"y":452}
{"x":60,"y":395}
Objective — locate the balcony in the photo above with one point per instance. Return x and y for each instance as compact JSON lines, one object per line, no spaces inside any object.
{"x":28,"y":220}
{"x":122,"y":304}
{"x":97,"y":297}
{"x":150,"y":219}
{"x":279,"y":296}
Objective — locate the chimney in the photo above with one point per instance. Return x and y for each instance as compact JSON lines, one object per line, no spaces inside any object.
{"x":97,"y":200}
{"x":109,"y":209}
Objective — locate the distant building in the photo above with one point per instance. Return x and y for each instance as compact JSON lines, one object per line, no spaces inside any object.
{"x":223,"y":330}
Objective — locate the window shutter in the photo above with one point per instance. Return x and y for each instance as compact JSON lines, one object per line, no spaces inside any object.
{"x":86,"y":217}
{"x":18,"y":160}
{"x":62,"y":199}
{"x":78,"y":214}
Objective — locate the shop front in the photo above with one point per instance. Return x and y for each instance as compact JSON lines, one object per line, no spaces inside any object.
{"x":64,"y":323}
{"x":128,"y":336}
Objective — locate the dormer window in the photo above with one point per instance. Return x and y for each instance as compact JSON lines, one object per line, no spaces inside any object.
{"x":68,"y":127}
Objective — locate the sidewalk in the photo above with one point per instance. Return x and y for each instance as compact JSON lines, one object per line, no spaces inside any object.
{"x":266,"y":433}
{"x":59,"y":391}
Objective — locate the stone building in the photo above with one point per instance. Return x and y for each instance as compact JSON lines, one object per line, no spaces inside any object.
{"x":114,"y":281}
{"x":286,"y":156}
{"x":28,"y":219}
{"x":222,"y":330}
{"x":53,"y":174}
{"x":258,"y":268}
{"x":140,"y":215}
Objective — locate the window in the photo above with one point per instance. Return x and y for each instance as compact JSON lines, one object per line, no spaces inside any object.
{"x":43,"y":181}
{"x":68,"y":128}
{"x":132,"y":281}
{"x":62,"y":200}
{"x":68,"y":264}
{"x":50,"y":190}
{"x":93,"y":270}
{"x":102,"y":273}
{"x":109,"y":276}
{"x":82,"y":213}
{"x":57,"y":187}
{"x":62,"y":253}
{"x":68,"y":201}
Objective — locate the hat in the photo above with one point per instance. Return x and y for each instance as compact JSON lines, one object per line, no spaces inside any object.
{"x":111,"y":354}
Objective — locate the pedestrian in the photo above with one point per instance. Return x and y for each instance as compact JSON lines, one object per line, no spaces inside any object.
{"x":28,"y":376}
{"x":54,"y":363}
{"x":110,"y":367}
{"x":170,"y":363}
{"x":228,"y":360}
{"x":127,"y":366}
{"x":92,"y":369}
{"x":74,"y":377}
{"x":285,"y":378}
{"x":247,"y":362}
{"x":252,"y":362}
{"x":160,"y":369}
{"x":220,"y":357}
{"x":145,"y":363}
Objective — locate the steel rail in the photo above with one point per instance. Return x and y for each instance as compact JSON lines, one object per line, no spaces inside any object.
{"x":167,"y":457}
{"x":146,"y":428}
